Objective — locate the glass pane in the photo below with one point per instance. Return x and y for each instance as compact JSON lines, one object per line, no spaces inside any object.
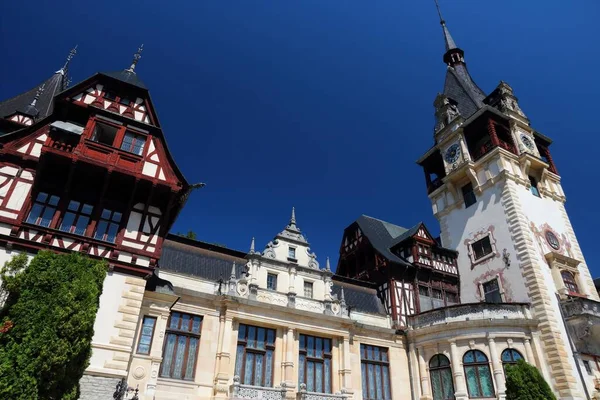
{"x":105,"y":214}
{"x":319,"y":377}
{"x":81,"y":226}
{"x":310,"y":346}
{"x":100,"y":230}
{"x":270,"y":336}
{"x":363,"y":368}
{"x":116,"y":216}
{"x":260,"y":338}
{"x":327,"y":343}
{"x":41,"y":197}
{"x":242,"y":332}
{"x":252,"y":336}
{"x":127,"y":140}
{"x":168,"y":356}
{"x":112,"y":232}
{"x":53,"y":200}
{"x":516,"y":355}
{"x":249,"y":369}
{"x":443,"y":361}
{"x":191,"y":361}
{"x":386,"y":383}
{"x":174,"y":321}
{"x":258,"y":371}
{"x":143,"y":348}
{"x":376,"y":354}
{"x":319,"y":347}
{"x":185,"y":323}
{"x":73,"y":205}
{"x":469,"y":357}
{"x":269,"y":369}
{"x":302,"y":342}
{"x":138,"y":146}
{"x":239,"y":361}
{"x":371,"y":376}
{"x":447,"y":383}
{"x":327,"y":375}
{"x":434,"y":362}
{"x":196,"y":324}
{"x":36,"y":211}
{"x":436,"y":385}
{"x":506,"y":356}
{"x":47,"y":216}
{"x":378,"y":383}
{"x":370,"y":352}
{"x":179,"y":356}
{"x":67,"y":222}
{"x":301,"y":367}
{"x":310,"y":376}
{"x":487,"y":386}
{"x":472,"y":383}
{"x":87,"y":209}
{"x":480,"y":357}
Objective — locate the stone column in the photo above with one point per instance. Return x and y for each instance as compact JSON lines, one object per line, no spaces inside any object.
{"x":529,"y":352}
{"x":414,"y":374}
{"x":346,"y":371}
{"x":223,"y":355}
{"x":497,"y":368}
{"x":457,"y":372}
{"x":425,"y":389}
{"x":288,"y":363}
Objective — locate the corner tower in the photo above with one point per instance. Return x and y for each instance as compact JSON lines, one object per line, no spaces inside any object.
{"x":498,"y":197}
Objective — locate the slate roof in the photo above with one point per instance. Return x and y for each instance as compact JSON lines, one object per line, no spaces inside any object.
{"x":384,"y":235}
{"x":359,"y":297}
{"x":126,"y":76}
{"x":44,"y":104}
{"x":460,"y":87}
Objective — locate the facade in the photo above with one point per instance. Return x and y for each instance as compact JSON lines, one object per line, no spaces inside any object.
{"x":406,"y":315}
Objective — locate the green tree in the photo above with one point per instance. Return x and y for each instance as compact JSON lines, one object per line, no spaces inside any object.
{"x":47,"y":324}
{"x":524,"y":382}
{"x":190,"y":234}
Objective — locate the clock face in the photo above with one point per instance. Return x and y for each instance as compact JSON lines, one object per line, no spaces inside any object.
{"x":527,"y":142}
{"x":552,"y":240}
{"x":452,"y":153}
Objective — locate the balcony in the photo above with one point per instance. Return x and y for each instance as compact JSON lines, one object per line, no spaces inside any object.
{"x":437,"y":264}
{"x":303,"y":394}
{"x":470,"y":312}
{"x":489,"y":146}
{"x":239,"y":391}
{"x":583,"y":320}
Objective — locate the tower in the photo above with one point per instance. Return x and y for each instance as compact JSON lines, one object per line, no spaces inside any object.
{"x":498,"y":197}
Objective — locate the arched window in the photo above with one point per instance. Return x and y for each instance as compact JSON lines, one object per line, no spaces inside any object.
{"x":510,"y":357}
{"x":569,"y":281}
{"x":477,"y":371}
{"x":440,"y":373}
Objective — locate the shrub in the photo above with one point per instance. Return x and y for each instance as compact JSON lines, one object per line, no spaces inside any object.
{"x":524,"y":382}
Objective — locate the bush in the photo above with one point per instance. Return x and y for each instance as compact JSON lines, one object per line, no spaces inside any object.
{"x":47,"y":324}
{"x":524,"y":382}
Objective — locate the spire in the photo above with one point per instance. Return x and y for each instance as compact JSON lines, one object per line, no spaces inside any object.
{"x":38,"y":94}
{"x":293,"y":218}
{"x":233,"y":272}
{"x":447,"y":37}
{"x":136,"y":58}
{"x":65,"y":67}
{"x":327,"y":265}
{"x":252,"y":246}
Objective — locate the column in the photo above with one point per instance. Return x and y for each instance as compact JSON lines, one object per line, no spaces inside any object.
{"x":529,"y":352}
{"x":497,"y":368}
{"x":346,"y":366}
{"x":425,"y":389}
{"x":414,"y":374}
{"x":288,"y":363}
{"x":457,"y":371}
{"x":223,"y":354}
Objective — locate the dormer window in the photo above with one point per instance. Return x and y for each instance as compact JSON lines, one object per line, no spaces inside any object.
{"x":133,"y":143}
{"x":104,"y":133}
{"x":291,"y":253}
{"x":111,"y":96}
{"x":534,"y":187}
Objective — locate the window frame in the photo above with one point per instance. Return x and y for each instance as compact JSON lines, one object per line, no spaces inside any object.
{"x":303,"y":369}
{"x":365,"y":374}
{"x":533,"y":188}
{"x":292,"y":253}
{"x":468,"y":193}
{"x":478,"y":365}
{"x":271,"y":286}
{"x":484,"y":255}
{"x":306,"y":285}
{"x":137,"y":349}
{"x":178,"y":332}
{"x":78,"y":214}
{"x":513,"y":360}
{"x":570,"y":282}
{"x":135,"y":136}
{"x":255,"y":351}
{"x":109,"y":222}
{"x":45,"y":204}
{"x":92,"y":134}
{"x":439,"y":370}
{"x":499,"y":289}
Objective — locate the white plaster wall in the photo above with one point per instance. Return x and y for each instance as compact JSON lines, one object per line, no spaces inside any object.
{"x":110,"y":300}
{"x":281,"y":252}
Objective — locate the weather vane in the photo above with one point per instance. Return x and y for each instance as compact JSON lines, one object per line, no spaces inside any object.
{"x":136,"y":58}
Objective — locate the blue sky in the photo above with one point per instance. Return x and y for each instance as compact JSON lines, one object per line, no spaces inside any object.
{"x":320,"y":104}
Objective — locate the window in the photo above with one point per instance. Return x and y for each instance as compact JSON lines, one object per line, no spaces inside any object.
{"x":423,"y":290}
{"x":534,"y":188}
{"x":133,"y":143}
{"x":308,"y":289}
{"x":181,"y":346}
{"x":315,"y":364}
{"x":481,"y":248}
{"x":108,"y":226}
{"x":510,"y":357}
{"x":588,"y":369}
{"x":569,"y":281}
{"x":451,"y":298}
{"x":43,"y":209}
{"x":76,"y":218}
{"x":125,"y":101}
{"x":477,"y":372}
{"x":272,"y":281}
{"x":491,"y":292}
{"x":375,"y":372}
{"x":110,"y":96}
{"x":104,"y":133}
{"x":292,"y":253}
{"x":146,"y":335}
{"x":552,"y":240}
{"x":254,"y":360}
{"x":468,"y":195}
{"x":440,"y":374}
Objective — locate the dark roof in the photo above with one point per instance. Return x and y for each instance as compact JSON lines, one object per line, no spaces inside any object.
{"x":383,"y":235}
{"x":126,"y":76}
{"x":460,"y":87}
{"x":44,"y":104}
{"x":359,"y":297}
{"x":205,"y":260}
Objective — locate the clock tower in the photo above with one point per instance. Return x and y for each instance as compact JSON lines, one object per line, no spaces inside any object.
{"x":498,"y":197}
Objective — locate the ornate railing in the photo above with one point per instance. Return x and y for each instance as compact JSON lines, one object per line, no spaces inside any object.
{"x":303,"y":394}
{"x":576,"y":306}
{"x":239,"y":391}
{"x":470,"y":312}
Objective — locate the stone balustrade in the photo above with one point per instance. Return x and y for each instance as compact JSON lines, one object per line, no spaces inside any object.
{"x":239,"y":391}
{"x":303,"y":394}
{"x":580,"y":306}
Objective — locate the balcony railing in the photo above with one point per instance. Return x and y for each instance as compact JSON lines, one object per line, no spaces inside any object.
{"x":488,"y":146}
{"x":577,"y":306}
{"x":427,"y":261}
{"x":303,"y":394}
{"x":470,"y":312}
{"x":239,"y":391}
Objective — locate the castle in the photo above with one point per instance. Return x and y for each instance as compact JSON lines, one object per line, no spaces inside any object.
{"x":405,"y":315}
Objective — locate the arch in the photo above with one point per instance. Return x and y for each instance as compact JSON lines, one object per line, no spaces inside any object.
{"x":569,"y":281}
{"x":440,"y":374}
{"x":511,"y":356}
{"x":478,"y":374}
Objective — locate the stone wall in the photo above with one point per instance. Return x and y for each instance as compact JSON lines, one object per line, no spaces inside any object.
{"x":97,"y":387}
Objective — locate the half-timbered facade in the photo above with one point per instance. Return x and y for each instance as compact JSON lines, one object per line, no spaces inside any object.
{"x":413,"y":272}
{"x":87,"y":169}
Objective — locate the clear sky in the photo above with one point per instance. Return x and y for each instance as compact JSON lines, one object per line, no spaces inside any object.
{"x":322,"y":104}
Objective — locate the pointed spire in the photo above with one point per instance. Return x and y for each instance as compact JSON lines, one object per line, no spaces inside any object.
{"x":65,"y":67}
{"x":327,"y":265}
{"x":233,"y":272}
{"x":342,"y":297}
{"x":252,"y":246}
{"x":293,"y":218}
{"x":447,"y":37}
{"x":136,"y":58}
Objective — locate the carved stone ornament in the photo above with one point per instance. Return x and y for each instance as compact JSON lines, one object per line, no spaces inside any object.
{"x":446,"y":111}
{"x":242,"y":287}
{"x":508,"y":101}
{"x":312,"y":263}
{"x":269,"y":251}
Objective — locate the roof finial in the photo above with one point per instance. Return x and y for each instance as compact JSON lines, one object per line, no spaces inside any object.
{"x":38,"y":94}
{"x":447,"y":38}
{"x":233,"y":272}
{"x":293,"y":218}
{"x":252,"y":246}
{"x":136,"y":58}
{"x":327,"y":265}
{"x":342,"y":297}
{"x":69,"y":58}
